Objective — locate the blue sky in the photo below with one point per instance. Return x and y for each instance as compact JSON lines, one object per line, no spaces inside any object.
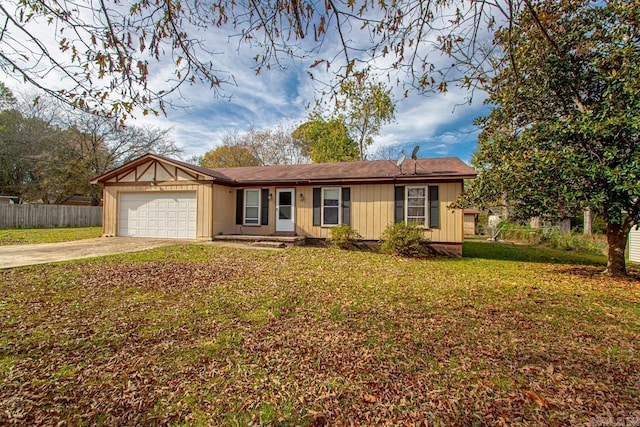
{"x":441,"y":124}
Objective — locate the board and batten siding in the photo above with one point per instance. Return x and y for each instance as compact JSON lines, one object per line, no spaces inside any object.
{"x":634,"y":245}
{"x":372,"y":210}
{"x":204,"y":200}
{"x":470,"y":224}
{"x":224,"y":217}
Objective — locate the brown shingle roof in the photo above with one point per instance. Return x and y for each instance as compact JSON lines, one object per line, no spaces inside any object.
{"x":369,"y":171}
{"x":366,"y":171}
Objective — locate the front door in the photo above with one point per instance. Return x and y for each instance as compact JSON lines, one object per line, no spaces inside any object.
{"x":285,"y":209}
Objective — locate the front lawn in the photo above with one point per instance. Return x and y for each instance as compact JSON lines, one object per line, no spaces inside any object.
{"x":21,"y":236}
{"x":203,"y":335}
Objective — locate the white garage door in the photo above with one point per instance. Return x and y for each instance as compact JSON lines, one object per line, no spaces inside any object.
{"x":154,"y":214}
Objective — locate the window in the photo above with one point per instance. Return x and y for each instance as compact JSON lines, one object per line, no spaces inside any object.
{"x":252,"y":207}
{"x":330,"y":206}
{"x":416,"y":205}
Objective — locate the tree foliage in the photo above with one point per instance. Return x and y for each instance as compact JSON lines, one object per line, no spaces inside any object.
{"x":564,"y":131}
{"x":364,"y":106}
{"x":7,"y":99}
{"x":255,"y":148}
{"x":325,"y":141}
{"x":274,"y":146}
{"x":229,"y":156}
{"x":48,"y":154}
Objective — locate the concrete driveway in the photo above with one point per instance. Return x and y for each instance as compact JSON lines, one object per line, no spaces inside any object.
{"x":43,"y":253}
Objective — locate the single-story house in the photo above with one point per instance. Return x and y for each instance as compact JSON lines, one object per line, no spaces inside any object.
{"x":9,"y":200}
{"x":155,"y":196}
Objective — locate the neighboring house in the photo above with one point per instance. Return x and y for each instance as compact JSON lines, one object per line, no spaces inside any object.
{"x":471,"y":221}
{"x":155,"y":196}
{"x":634,"y":245}
{"x":78,"y":201}
{"x":9,"y":200}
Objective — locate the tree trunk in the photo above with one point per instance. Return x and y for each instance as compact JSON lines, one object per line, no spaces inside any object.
{"x":617,"y":236}
{"x":588,"y":221}
{"x":505,"y":207}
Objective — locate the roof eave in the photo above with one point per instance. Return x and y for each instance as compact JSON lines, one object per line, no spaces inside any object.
{"x":366,"y":180}
{"x":140,"y":160}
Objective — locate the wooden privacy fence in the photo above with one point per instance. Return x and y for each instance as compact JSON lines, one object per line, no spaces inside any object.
{"x":49,"y":216}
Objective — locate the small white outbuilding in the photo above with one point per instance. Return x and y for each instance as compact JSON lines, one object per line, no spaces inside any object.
{"x":634,"y":245}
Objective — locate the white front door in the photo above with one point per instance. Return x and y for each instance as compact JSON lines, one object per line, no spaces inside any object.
{"x":285,"y":209}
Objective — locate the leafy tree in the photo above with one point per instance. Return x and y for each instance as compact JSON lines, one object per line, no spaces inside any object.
{"x":255,"y":148}
{"x":325,"y":141}
{"x":228,"y":156}
{"x":564,"y":131}
{"x":364,"y":106}
{"x":26,"y":145}
{"x":274,"y":146}
{"x":49,"y":155}
{"x":7,"y":99}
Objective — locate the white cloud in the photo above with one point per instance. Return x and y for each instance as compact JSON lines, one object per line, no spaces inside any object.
{"x":441,"y":122}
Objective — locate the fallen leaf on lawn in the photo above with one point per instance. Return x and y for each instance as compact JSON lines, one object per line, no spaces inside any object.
{"x":536,"y":398}
{"x":370,"y":398}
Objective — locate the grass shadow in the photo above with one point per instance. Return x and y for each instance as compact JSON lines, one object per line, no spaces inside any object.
{"x":484,"y":249}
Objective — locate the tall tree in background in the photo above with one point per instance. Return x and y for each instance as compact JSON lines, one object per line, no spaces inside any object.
{"x":364,"y":106}
{"x":27,"y":142}
{"x":229,"y":156}
{"x":564,"y":133}
{"x":274,"y":146}
{"x":7,"y":99}
{"x":255,"y":148}
{"x":325,"y":141}
{"x":49,"y":154}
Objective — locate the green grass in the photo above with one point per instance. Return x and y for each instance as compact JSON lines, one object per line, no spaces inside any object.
{"x":202,"y":335}
{"x":21,"y":236}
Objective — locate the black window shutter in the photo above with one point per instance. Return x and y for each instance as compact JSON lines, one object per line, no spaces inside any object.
{"x":399,"y":204}
{"x":239,"y":205}
{"x":316,"y":206}
{"x":264,"y":214}
{"x":346,"y":205}
{"x":434,"y":207}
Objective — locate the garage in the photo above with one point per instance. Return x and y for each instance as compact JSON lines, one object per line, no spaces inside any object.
{"x":170,"y":215}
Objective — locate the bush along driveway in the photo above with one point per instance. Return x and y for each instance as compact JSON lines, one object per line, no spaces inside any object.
{"x":313,"y":336}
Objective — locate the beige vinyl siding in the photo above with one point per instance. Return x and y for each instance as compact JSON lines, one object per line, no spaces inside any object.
{"x":225,"y":213}
{"x":470,"y":224}
{"x":372,"y":209}
{"x":224,"y":210}
{"x":203,"y":197}
{"x":451,"y":228}
{"x":304,"y":215}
